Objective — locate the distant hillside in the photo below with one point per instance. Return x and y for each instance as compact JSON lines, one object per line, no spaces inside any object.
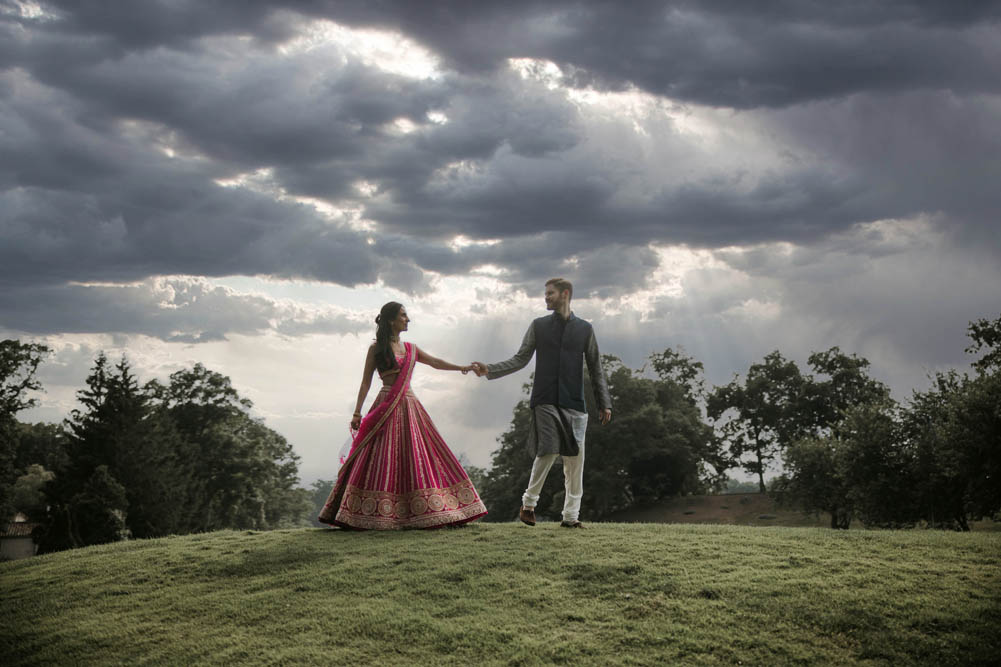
{"x":739,"y":509}
{"x":507,"y":594}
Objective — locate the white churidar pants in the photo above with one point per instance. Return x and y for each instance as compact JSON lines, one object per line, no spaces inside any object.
{"x":573,"y":473}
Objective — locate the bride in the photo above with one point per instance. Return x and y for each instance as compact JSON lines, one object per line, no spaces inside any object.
{"x":400,"y":473}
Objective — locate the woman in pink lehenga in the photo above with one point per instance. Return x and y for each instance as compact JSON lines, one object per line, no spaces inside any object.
{"x":400,"y":473}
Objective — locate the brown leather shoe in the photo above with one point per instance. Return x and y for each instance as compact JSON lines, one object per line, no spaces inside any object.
{"x":527,"y":515}
{"x":571,"y":524}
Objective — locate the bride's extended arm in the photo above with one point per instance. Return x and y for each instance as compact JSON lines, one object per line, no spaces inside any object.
{"x":440,"y":364}
{"x":366,"y":384}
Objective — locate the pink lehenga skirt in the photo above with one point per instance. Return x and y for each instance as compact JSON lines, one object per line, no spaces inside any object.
{"x":405,"y":477}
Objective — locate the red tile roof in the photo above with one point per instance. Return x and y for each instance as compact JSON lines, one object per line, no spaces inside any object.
{"x":17,"y":529}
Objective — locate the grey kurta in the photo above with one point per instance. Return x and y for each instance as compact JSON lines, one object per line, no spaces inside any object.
{"x":555,"y":429}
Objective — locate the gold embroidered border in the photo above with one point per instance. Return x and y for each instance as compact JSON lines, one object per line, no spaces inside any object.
{"x":422,"y":508}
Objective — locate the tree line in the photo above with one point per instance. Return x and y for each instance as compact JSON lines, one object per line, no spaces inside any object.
{"x":186,"y":456}
{"x":141,"y":461}
{"x":843,"y":444}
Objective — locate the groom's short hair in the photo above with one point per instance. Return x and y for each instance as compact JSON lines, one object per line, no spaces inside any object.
{"x":560,"y":284}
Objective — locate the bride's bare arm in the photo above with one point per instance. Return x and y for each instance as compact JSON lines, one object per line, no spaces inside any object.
{"x":366,"y":384}
{"x":440,"y":364}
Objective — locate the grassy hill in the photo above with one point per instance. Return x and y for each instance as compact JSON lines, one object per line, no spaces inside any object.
{"x":510,"y":594}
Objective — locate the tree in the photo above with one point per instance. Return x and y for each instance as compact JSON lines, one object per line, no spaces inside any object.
{"x":762,"y":416}
{"x":28,"y":494}
{"x":955,"y":432}
{"x":825,"y":402}
{"x":876,"y":464}
{"x":18,"y":365}
{"x":986,"y":338}
{"x":118,"y":429}
{"x":863,"y":470}
{"x":243,"y":474}
{"x":43,"y":444}
{"x":814,"y":480}
{"x":675,"y":366}
{"x":319,"y":491}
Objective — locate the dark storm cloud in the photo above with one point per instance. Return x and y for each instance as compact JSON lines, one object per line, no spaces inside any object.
{"x":892,"y":292}
{"x":174,"y":309}
{"x":117,"y":121}
{"x":724,"y":53}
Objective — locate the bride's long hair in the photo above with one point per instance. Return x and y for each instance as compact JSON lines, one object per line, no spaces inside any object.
{"x":384,"y":357}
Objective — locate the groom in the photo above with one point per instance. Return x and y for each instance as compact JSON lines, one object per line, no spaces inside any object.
{"x":559,"y":417}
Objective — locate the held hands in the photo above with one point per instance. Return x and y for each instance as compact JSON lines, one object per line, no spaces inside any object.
{"x":479,"y":368}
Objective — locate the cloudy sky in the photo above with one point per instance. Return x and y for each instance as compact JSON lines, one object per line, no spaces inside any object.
{"x":243,"y":184}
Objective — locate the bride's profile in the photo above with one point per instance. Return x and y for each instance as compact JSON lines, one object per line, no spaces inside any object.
{"x":399,"y":472}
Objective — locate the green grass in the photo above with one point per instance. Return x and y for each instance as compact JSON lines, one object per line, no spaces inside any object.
{"x":510,"y":594}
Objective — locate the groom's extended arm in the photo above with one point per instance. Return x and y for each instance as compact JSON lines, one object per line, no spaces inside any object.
{"x":598,"y":380}
{"x":518,"y":361}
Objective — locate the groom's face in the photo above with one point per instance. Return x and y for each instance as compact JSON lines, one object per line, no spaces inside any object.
{"x":554,"y":299}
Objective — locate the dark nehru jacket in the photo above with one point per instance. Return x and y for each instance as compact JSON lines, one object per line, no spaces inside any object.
{"x":562,"y":347}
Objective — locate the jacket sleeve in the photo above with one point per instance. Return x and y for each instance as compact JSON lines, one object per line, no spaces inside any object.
{"x":518,"y":361}
{"x":594,"y":368}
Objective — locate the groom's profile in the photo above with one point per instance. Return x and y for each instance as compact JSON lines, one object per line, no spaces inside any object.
{"x":562,"y":342}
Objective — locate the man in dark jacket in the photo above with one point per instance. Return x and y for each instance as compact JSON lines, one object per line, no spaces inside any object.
{"x":562,"y":342}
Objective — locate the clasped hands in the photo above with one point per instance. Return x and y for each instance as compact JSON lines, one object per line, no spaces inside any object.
{"x":480,"y":368}
{"x":477,"y":367}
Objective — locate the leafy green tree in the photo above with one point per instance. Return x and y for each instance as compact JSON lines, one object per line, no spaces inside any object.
{"x":955,"y":431}
{"x":673,"y":365}
{"x":18,"y":365}
{"x":319,"y":491}
{"x":824,"y":402}
{"x":243,"y":474}
{"x":985,"y":337}
{"x":863,"y":470}
{"x":253,"y":479}
{"x":28,"y":494}
{"x":761,"y":416}
{"x":877,"y":465}
{"x":42,"y":444}
{"x":814,"y":479}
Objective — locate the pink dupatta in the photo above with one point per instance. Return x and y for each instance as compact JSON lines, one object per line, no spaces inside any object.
{"x":378,"y":416}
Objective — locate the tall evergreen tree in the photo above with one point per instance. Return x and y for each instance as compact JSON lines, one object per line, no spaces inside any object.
{"x":120,"y":432}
